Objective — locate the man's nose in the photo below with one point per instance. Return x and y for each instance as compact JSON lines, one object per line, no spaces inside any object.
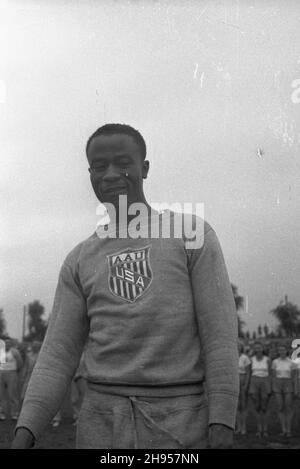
{"x":111,"y":174}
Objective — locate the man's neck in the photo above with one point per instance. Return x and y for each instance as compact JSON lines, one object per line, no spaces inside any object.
{"x":121,"y":216}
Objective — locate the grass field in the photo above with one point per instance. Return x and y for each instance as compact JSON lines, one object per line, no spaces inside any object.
{"x":63,"y":437}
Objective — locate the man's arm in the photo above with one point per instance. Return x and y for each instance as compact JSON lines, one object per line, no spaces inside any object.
{"x":58,"y":359}
{"x":217,"y":320}
{"x":220,"y":436}
{"x":24,"y":439}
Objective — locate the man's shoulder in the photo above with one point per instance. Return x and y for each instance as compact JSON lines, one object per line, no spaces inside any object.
{"x":191,"y":219}
{"x":74,"y":255}
{"x":192,"y":226}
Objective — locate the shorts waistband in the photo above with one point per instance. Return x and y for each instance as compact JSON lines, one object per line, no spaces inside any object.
{"x":148,"y":391}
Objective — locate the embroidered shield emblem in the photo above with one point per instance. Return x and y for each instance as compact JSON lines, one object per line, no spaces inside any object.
{"x":130,"y":273}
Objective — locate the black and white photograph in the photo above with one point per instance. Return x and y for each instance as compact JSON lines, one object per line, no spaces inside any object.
{"x":150,"y":228}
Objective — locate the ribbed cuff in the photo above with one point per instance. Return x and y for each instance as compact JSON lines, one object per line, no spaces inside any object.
{"x":26,"y":428}
{"x":222,"y":409}
{"x":35,"y":419}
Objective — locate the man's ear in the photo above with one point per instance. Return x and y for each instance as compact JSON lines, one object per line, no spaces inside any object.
{"x":145,"y":169}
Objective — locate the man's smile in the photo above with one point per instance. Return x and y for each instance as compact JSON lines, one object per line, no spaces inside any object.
{"x":113,"y":189}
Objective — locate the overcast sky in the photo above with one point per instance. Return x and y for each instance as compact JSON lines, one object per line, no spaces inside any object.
{"x":212,"y":87}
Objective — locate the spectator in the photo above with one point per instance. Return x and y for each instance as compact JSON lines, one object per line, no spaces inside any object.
{"x":260,"y":387}
{"x":31,"y":358}
{"x":9,"y":381}
{"x":244,"y":377}
{"x":283,"y":385}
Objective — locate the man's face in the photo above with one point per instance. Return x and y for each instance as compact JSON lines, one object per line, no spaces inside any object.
{"x":110,"y":158}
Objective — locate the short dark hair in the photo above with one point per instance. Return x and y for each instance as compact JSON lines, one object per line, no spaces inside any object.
{"x":283,"y":346}
{"x":111,"y":129}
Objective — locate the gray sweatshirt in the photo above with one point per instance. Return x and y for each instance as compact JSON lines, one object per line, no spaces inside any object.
{"x":156,"y":316}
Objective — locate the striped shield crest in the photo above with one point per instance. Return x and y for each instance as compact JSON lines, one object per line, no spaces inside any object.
{"x":130,"y":274}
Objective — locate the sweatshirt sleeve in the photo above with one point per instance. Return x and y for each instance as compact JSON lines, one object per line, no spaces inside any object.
{"x":59,"y":356}
{"x":217,"y":321}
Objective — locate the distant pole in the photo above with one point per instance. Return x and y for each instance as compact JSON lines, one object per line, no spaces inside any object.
{"x":247,"y":305}
{"x":286,"y":299}
{"x":24,"y":322}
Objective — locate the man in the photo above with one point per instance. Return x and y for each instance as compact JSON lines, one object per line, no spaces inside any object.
{"x":156,"y":316}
